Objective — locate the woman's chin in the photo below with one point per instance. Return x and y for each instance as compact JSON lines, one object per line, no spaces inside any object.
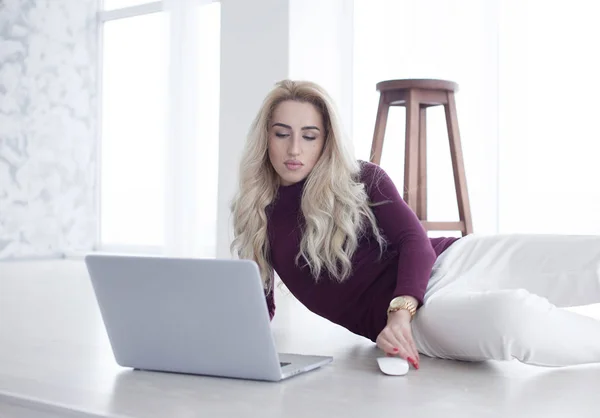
{"x":291,"y":178}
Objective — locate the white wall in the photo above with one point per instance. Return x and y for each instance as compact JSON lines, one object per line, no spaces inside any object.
{"x":321,"y":49}
{"x":47,"y":127}
{"x":254,"y":55}
{"x":549,"y":131}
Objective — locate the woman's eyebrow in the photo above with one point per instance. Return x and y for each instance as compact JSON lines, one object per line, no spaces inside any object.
{"x":283,"y":125}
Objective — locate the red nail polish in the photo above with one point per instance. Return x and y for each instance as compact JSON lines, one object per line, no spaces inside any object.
{"x":395,"y":349}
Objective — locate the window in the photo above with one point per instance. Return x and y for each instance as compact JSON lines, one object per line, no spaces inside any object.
{"x":120,"y":4}
{"x":442,"y":40}
{"x":526,"y":106}
{"x":159,"y":119}
{"x":549,"y":131}
{"x":134,"y":111}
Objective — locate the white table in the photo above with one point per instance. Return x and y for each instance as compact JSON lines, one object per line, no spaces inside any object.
{"x":55,"y":361}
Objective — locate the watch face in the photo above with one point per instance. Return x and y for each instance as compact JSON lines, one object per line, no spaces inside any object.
{"x":402,"y":303}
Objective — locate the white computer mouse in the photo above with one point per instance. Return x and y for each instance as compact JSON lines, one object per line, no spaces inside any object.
{"x":393,"y":366}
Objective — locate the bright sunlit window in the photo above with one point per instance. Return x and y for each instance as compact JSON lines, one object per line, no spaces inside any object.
{"x":431,"y":39}
{"x":137,"y":96}
{"x":134,"y":89}
{"x":550,"y":137}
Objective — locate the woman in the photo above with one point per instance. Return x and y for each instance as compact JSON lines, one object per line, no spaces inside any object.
{"x":343,"y":241}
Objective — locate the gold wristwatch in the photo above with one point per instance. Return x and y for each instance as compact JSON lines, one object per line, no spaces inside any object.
{"x":402,"y":303}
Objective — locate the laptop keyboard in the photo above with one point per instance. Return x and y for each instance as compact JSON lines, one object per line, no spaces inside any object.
{"x":283,"y":364}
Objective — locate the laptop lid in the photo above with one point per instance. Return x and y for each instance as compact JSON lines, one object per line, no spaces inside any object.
{"x":199,"y":316}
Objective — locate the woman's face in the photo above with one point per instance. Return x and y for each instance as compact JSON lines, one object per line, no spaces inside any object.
{"x":296,"y":139}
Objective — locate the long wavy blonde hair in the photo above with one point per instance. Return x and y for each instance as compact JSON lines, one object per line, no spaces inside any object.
{"x":334,"y":204}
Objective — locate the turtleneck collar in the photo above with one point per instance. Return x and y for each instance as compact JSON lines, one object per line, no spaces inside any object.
{"x":290,"y":197}
{"x":293,"y":188}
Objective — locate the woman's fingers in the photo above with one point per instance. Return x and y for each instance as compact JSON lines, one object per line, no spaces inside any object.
{"x":414,"y":354}
{"x":403,"y":337}
{"x":411,"y":342}
{"x":396,"y":342}
{"x":386,"y":345}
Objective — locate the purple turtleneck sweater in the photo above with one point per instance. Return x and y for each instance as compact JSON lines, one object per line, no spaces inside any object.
{"x":360,"y":302}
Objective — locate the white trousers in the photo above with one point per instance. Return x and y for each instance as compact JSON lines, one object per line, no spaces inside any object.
{"x":499,"y":297}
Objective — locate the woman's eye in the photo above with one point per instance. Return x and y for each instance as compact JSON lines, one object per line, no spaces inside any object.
{"x":280,"y":135}
{"x":310,"y":138}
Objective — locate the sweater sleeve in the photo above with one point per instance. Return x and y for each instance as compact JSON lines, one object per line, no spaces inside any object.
{"x":401,"y":228}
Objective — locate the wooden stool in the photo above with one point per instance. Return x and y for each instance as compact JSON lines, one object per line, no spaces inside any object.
{"x":417,"y":96}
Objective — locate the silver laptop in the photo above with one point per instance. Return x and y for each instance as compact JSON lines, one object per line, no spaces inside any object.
{"x":194,"y":316}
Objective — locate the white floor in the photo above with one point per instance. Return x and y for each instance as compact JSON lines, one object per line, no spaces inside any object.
{"x":55,"y":360}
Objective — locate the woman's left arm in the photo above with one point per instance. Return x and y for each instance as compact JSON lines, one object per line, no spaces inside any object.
{"x":416,"y":256}
{"x":402,"y":228}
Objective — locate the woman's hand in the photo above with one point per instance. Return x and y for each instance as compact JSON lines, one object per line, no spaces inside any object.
{"x":396,"y":338}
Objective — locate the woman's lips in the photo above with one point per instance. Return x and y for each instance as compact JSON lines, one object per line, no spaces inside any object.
{"x":293,"y":165}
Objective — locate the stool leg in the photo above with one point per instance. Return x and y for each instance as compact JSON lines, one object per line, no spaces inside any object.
{"x":458,"y":166}
{"x":411,"y":156}
{"x":422,"y":183}
{"x":378,"y":135}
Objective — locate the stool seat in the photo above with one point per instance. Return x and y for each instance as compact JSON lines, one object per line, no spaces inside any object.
{"x":417,"y":95}
{"x":421,"y":84}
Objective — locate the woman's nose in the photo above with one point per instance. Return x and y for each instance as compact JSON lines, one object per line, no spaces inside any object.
{"x":294,"y":148}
